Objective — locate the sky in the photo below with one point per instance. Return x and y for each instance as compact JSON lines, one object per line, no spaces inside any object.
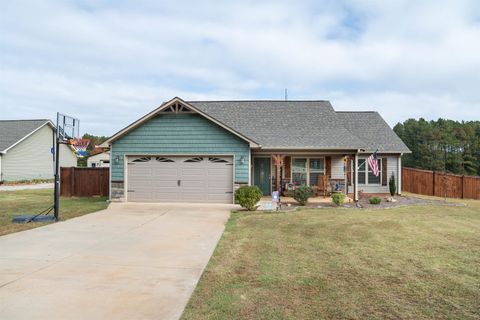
{"x":110,"y":62}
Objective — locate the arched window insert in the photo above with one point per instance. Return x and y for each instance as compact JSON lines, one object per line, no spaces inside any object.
{"x":142,"y":159}
{"x":219,"y":160}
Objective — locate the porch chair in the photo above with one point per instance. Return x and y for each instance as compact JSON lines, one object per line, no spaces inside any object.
{"x":323,"y":185}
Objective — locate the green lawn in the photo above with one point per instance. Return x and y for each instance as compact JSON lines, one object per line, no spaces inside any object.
{"x":33,"y":201}
{"x":419,"y":262}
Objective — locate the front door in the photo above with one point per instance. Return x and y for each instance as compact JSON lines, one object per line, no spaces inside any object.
{"x":261,"y":174}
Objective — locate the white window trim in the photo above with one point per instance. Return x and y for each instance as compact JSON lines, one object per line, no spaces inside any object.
{"x":307,"y":166}
{"x":362,"y":160}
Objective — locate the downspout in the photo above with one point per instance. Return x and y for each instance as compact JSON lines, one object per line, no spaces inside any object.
{"x":399,"y":174}
{"x":355,"y":185}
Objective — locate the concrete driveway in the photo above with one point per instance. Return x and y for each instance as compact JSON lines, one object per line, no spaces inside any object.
{"x":130,"y":261}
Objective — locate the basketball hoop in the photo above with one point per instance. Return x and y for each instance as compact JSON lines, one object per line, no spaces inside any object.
{"x":80,"y":146}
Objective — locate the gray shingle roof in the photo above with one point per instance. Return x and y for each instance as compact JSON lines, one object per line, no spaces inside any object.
{"x":303,"y":125}
{"x":372,"y":130}
{"x":11,"y":131}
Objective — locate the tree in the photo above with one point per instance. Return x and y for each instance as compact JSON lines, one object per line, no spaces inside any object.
{"x":442,"y":145}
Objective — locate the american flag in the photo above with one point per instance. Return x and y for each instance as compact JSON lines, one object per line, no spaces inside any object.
{"x":373,"y":163}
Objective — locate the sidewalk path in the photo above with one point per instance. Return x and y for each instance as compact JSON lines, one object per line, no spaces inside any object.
{"x":27,"y":187}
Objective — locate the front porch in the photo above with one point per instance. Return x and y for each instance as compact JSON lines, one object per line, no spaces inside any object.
{"x":325,"y":173}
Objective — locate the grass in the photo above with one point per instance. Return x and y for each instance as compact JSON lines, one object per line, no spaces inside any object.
{"x":33,"y":201}
{"x":418,"y":262}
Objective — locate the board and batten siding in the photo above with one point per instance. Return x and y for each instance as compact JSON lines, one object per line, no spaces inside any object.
{"x":32,"y":158}
{"x":392,"y":166}
{"x":179,"y":134}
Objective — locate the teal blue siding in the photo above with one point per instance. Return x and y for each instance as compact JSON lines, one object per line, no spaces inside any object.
{"x":181,"y":134}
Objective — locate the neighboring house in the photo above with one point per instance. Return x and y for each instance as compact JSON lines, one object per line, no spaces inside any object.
{"x":26,"y":150}
{"x":200,"y":151}
{"x":99,"y":160}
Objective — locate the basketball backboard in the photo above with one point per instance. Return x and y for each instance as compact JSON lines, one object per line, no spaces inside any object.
{"x":67,"y":127}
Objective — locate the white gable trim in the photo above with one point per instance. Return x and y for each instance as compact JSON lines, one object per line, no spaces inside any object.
{"x":28,"y":135}
{"x":164,"y":106}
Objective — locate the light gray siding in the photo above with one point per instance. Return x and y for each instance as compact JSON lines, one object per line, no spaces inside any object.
{"x":101,"y":160}
{"x":392,"y":166}
{"x":32,"y":158}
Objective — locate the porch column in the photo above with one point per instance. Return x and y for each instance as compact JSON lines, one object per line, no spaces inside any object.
{"x":355,"y":183}
{"x":278,"y":162}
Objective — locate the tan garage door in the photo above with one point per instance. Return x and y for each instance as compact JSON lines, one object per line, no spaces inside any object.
{"x":180,"y":179}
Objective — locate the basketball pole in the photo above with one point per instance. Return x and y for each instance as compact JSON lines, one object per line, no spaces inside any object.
{"x":68,"y":128}
{"x":56,"y":189}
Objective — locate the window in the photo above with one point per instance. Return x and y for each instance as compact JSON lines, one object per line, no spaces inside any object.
{"x":316,"y":169}
{"x":307,"y":170}
{"x":365,"y":174}
{"x":361,"y":171}
{"x":299,"y":171}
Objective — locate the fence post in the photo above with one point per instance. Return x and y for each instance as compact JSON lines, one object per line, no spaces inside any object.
{"x":72,"y":181}
{"x":433,"y":184}
{"x":463,"y":181}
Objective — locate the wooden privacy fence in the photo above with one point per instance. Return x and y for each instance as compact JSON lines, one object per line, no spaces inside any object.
{"x":440,"y":184}
{"x":84,"y":182}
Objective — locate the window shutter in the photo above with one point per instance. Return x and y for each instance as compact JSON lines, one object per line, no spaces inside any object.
{"x":384,"y":172}
{"x":288,"y":167}
{"x":328,"y":167}
{"x":349,"y":171}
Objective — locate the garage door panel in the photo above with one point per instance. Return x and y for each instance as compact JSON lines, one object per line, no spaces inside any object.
{"x":198,"y":177}
{"x":199,"y":169}
{"x":162,"y":173}
{"x":188,"y":185}
{"x":202,"y":179}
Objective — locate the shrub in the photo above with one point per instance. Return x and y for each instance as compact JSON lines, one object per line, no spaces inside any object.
{"x":338,"y":198}
{"x":302,"y":193}
{"x":392,"y":185}
{"x":375,"y":200}
{"x":248,"y":197}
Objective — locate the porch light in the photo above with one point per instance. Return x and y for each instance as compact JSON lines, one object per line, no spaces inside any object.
{"x":117,"y":159}
{"x":242,"y":160}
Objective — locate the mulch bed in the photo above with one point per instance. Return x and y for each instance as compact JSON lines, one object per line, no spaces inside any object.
{"x":403,"y":201}
{"x":364,"y":203}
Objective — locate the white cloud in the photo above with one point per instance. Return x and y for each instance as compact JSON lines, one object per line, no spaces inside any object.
{"x":110,"y":62}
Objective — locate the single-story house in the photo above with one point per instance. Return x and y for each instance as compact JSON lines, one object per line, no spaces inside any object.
{"x":99,"y":160}
{"x":201,"y":151}
{"x":26,"y":150}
